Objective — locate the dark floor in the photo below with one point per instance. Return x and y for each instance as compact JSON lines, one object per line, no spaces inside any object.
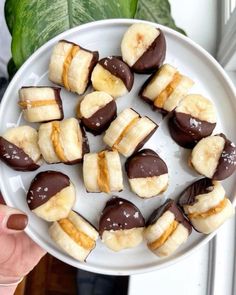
{"x":53,"y":277}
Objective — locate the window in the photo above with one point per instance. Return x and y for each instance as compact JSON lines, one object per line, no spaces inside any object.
{"x":227,"y":47}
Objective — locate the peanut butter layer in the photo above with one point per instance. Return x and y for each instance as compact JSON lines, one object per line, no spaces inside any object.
{"x":79,"y":237}
{"x":27,"y":104}
{"x":211,"y":211}
{"x":163,"y":238}
{"x":163,"y":96}
{"x":124,"y":132}
{"x":56,"y":141}
{"x":103,"y":175}
{"x":66,"y":65}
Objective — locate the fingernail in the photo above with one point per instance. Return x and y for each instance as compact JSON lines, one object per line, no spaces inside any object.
{"x":17,"y":221}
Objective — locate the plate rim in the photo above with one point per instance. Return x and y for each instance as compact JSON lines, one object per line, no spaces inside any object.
{"x":227,"y":81}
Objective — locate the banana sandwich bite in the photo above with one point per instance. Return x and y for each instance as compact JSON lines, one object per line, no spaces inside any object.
{"x":129,"y":132}
{"x":75,"y":235}
{"x":41,"y":104}
{"x":147,"y":173}
{"x":96,"y":111}
{"x":205,"y":204}
{"x":51,"y":195}
{"x":193,"y":119}
{"x":165,"y":89}
{"x":113,"y":76}
{"x":63,"y":141}
{"x":102,"y":172}
{"x":166,"y":229}
{"x":214,"y":157}
{"x":19,"y":148}
{"x":71,"y":66}
{"x":121,"y":224}
{"x":143,"y":48}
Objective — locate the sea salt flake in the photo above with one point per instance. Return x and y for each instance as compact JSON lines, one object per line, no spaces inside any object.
{"x":136,"y":215}
{"x":194,"y":123}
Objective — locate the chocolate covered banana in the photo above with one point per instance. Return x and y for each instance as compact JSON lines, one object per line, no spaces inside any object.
{"x":96,"y":111}
{"x":193,"y":119}
{"x":205,"y":204}
{"x":41,"y":104}
{"x":51,"y":195}
{"x":19,"y":148}
{"x":121,"y":225}
{"x":75,"y":235}
{"x":166,"y":229}
{"x":214,"y":157}
{"x":143,"y":48}
{"x":165,"y":89}
{"x":112,"y":76}
{"x":63,"y":141}
{"x":71,"y":66}
{"x":147,"y":173}
{"x":129,"y":132}
{"x":102,"y":172}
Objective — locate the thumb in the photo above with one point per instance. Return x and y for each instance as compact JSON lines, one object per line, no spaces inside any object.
{"x":12,"y":220}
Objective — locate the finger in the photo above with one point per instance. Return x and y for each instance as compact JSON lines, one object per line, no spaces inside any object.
{"x":12,"y":220}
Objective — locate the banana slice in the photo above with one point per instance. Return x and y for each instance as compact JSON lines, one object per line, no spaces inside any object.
{"x":129,"y":132}
{"x":41,"y":104}
{"x":214,"y":157}
{"x":166,"y":229}
{"x":121,"y":225}
{"x":113,"y":76}
{"x":147,"y":173}
{"x":102,"y":172}
{"x":96,"y":111}
{"x":165,"y":89}
{"x":193,"y":119}
{"x":51,"y":195}
{"x":75,"y":235}
{"x":71,"y":66}
{"x":143,"y":48}
{"x":19,"y":148}
{"x":205,"y":205}
{"x":63,"y":141}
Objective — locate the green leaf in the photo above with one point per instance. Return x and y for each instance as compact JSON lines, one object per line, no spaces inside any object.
{"x":10,"y":12}
{"x":157,"y":11}
{"x":36,"y":21}
{"x":11,"y":68}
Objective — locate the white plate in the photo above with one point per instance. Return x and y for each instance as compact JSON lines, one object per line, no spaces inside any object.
{"x":105,"y":36}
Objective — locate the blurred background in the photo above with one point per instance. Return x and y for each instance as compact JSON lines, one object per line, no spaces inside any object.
{"x":209,"y":271}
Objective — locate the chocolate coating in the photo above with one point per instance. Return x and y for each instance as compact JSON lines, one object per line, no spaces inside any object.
{"x":15,"y":157}
{"x":117,"y":67}
{"x":120,"y":214}
{"x":44,"y":186}
{"x":142,"y":143}
{"x":145,"y":163}
{"x":169,"y":205}
{"x":101,"y":120}
{"x":153,"y":57}
{"x":227,"y":162}
{"x":187,"y":131}
{"x":201,"y":186}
